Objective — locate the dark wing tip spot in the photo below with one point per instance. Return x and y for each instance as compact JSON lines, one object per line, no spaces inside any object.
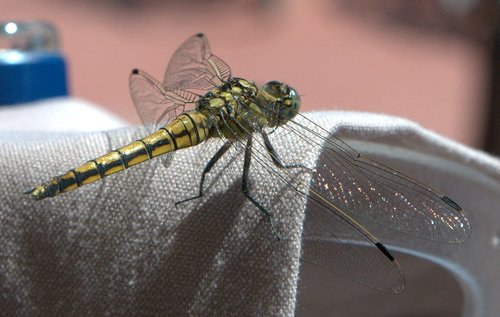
{"x":381,"y":247}
{"x":135,"y":71}
{"x":451,"y":203}
{"x":200,"y":34}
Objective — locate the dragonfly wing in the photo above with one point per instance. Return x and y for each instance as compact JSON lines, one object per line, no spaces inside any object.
{"x":335,"y":241}
{"x":342,"y":246}
{"x":155,"y":105}
{"x":193,"y":67}
{"x":367,"y":189}
{"x":148,"y":97}
{"x":191,"y":72}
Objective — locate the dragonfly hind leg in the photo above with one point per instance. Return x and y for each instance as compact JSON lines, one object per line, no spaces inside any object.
{"x":246,"y":191}
{"x":206,"y":170}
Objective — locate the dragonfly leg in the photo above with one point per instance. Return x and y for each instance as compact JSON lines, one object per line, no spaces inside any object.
{"x":276,"y":158}
{"x":207,"y":169}
{"x":244,"y":188}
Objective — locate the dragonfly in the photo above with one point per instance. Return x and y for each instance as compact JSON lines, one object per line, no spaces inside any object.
{"x":199,"y":101}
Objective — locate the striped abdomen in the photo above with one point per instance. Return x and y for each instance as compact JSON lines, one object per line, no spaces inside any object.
{"x":188,"y":129}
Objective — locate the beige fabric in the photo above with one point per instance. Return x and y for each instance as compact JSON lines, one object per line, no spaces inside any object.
{"x":120,"y":247}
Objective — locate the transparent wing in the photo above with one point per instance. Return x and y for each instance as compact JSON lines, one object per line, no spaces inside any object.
{"x":192,"y":71}
{"x":155,"y":105}
{"x":194,"y":68}
{"x":377,"y":193}
{"x":343,"y":247}
{"x":335,"y":241}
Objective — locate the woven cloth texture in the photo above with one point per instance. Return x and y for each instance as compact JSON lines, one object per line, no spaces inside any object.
{"x":122,"y":247}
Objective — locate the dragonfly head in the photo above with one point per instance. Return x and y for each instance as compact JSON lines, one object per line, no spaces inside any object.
{"x":281,"y":100}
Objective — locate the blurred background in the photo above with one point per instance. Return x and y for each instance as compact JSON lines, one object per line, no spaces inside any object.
{"x":433,"y":62}
{"x":429,"y":61}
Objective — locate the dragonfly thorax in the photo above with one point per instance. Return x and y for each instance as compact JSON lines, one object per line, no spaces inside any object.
{"x":233,"y":108}
{"x":238,"y":103}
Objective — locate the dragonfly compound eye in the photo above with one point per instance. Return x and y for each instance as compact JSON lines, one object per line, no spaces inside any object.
{"x":285,"y":100}
{"x":290,"y":104}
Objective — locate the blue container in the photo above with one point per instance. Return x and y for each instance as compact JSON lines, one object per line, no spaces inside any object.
{"x":32,"y":68}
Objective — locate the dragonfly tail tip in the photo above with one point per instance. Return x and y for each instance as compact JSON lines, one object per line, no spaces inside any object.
{"x":36,"y":193}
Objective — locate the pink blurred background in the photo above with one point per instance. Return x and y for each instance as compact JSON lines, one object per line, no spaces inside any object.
{"x":415,"y":61}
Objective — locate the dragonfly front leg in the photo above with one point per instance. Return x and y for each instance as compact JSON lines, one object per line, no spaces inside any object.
{"x":244,"y":188}
{"x":207,"y":169}
{"x":276,"y":158}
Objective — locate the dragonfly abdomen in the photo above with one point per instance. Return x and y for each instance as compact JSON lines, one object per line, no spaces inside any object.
{"x":186,"y":130}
